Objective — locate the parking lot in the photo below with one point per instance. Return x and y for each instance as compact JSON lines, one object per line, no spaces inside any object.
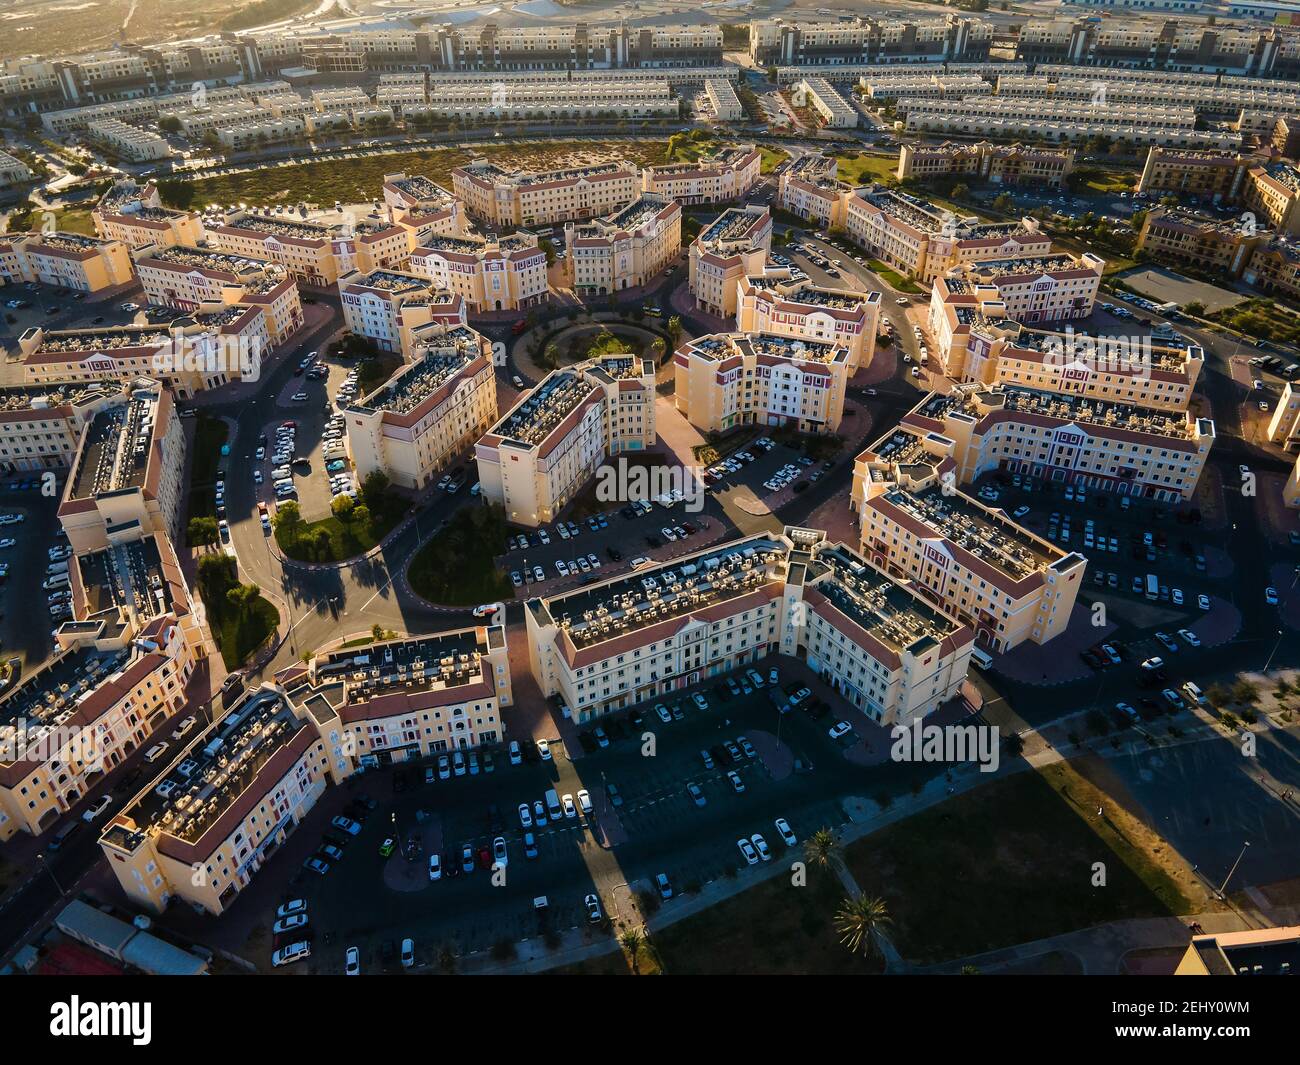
{"x":26,"y":613}
{"x":629,"y":531}
{"x":644,"y":820}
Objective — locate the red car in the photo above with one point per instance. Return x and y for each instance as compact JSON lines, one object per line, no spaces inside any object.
{"x":289,"y":425}
{"x":485,"y":858}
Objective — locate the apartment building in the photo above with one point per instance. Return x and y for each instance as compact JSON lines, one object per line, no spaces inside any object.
{"x":488,"y":273}
{"x":973,"y":561}
{"x":13,"y":171}
{"x":105,"y":692}
{"x":722,"y":175}
{"x":199,"y":279}
{"x":202,"y":350}
{"x":568,"y":101}
{"x":626,"y":249}
{"x":1207,"y":242}
{"x":734,"y":244}
{"x":773,"y":302}
{"x":728,"y":379}
{"x":809,"y":188}
{"x":886,"y":86}
{"x":127,"y":477}
{"x":1291,"y":489}
{"x":1284,"y":425}
{"x":819,"y":94}
{"x":1272,"y":193}
{"x":1071,"y":439}
{"x":976,"y":342}
{"x":547,"y":447}
{"x":426,"y":209}
{"x":65,"y":260}
{"x":1259,"y":951}
{"x":41,"y":427}
{"x":650,"y":634}
{"x":384,"y":305}
{"x":127,"y":142}
{"x":923,"y":242}
{"x":722,"y":98}
{"x":1208,"y":175}
{"x":1052,"y":288}
{"x":816,"y":43}
{"x":248,"y":780}
{"x":1274,"y":266}
{"x":134,"y":215}
{"x":1012,"y":165}
{"x":430,"y":412}
{"x":308,"y":250}
{"x":519,"y":198}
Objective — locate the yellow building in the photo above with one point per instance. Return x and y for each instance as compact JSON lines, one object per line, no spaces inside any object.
{"x":242,"y":786}
{"x":521,"y":198}
{"x":489,"y":273}
{"x":879,"y":644}
{"x":135,"y":215}
{"x":728,"y":379}
{"x":1255,"y":952}
{"x":548,"y":446}
{"x":429,"y":412}
{"x":734,"y":244}
{"x":721,"y":175}
{"x":66,"y":260}
{"x":627,"y":249}
{"x":772,"y":302}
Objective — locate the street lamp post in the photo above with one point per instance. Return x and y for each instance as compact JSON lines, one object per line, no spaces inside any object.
{"x":40,"y":857}
{"x":1276,"y":645}
{"x":1224,"y":885}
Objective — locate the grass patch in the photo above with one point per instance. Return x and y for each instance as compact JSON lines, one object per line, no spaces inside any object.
{"x":859,"y":168}
{"x":358,"y":180}
{"x":892,"y":277}
{"x":1023,"y":850}
{"x":241,"y":620}
{"x":209,"y":436}
{"x":335,"y":538}
{"x":456,"y":567}
{"x":1261,"y":318}
{"x":772,"y":158}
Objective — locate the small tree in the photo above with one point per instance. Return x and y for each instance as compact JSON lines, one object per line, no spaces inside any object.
{"x":674,"y":330}
{"x":203,"y":531}
{"x":630,"y":941}
{"x":342,"y":507}
{"x":287,"y":520}
{"x":860,"y":920}
{"x":374,"y":488}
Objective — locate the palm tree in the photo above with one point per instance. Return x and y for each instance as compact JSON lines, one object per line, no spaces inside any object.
{"x":631,"y":942}
{"x":859,"y":920}
{"x":822,"y":849}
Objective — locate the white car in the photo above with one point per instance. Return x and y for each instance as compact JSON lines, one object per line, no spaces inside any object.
{"x":1203,"y":601}
{"x":747,"y":851}
{"x":760,"y":845}
{"x":487,"y":609}
{"x":1190,"y":637}
{"x":584,"y":800}
{"x":291,"y":907}
{"x":352,"y":962}
{"x":544,"y":749}
{"x":288,"y":924}
{"x":525,"y":815}
{"x":840,"y":728}
{"x":97,"y":807}
{"x":783,"y":830}
{"x":292,"y":953}
{"x":346,"y":824}
{"x":183,"y":726}
{"x":569,"y":809}
{"x":7,"y":542}
{"x":435,"y":867}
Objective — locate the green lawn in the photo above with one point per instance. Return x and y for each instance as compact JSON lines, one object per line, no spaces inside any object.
{"x":456,"y":566}
{"x":209,"y":436}
{"x":1261,"y":318}
{"x":346,"y":539}
{"x":859,"y":168}
{"x":772,"y":158}
{"x":239,"y":629}
{"x":238,"y":640}
{"x":1008,"y":863}
{"x":892,"y":277}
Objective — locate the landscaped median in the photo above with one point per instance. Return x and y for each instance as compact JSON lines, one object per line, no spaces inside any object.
{"x":240,"y":619}
{"x":457,"y":566}
{"x":352,"y":529}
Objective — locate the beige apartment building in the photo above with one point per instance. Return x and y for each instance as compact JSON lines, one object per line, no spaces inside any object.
{"x":430,"y":412}
{"x":1211,"y":244}
{"x":127,"y":478}
{"x":13,"y":171}
{"x":723,"y":174}
{"x":489,"y":273}
{"x":1255,"y":952}
{"x":1204,"y":174}
{"x":105,"y":692}
{"x":520,"y":198}
{"x":730,"y":379}
{"x":976,"y":342}
{"x":65,"y":260}
{"x":385,"y":305}
{"x":809,"y":188}
{"x":246,"y":782}
{"x":734,"y":244}
{"x":834,"y":111}
{"x":204,"y":350}
{"x":773,"y":302}
{"x":308,"y":250}
{"x":1104,"y":446}
{"x":131,"y":143}
{"x":626,"y":249}
{"x":423,"y":207}
{"x":1291,"y":489}
{"x":922,"y":241}
{"x":722,"y":98}
{"x":666,"y":627}
{"x":40,"y":428}
{"x":547,"y":447}
{"x":999,"y":164}
{"x":1271,"y":193}
{"x":973,"y":561}
{"x":1284,"y":425}
{"x":135,"y":216}
{"x":1048,"y":289}
{"x":198,"y":279}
